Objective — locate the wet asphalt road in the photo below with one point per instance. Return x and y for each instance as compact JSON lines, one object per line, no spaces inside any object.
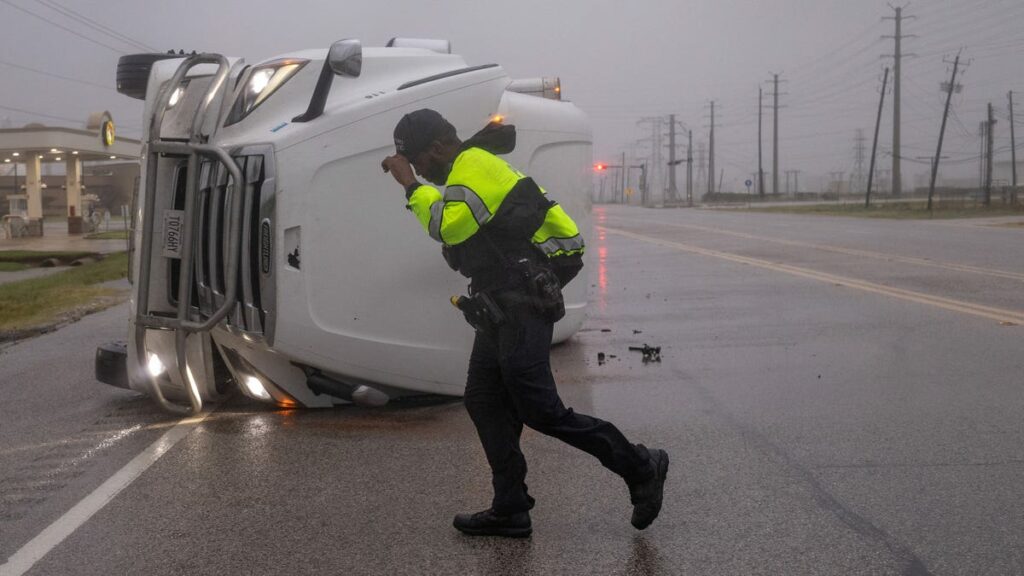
{"x":839,"y":396}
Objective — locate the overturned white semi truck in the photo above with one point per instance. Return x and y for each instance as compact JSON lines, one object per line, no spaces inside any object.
{"x":269,"y":249}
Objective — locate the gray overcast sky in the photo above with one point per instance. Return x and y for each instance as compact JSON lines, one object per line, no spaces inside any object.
{"x":618,"y":61}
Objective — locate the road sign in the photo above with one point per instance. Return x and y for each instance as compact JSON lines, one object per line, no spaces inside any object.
{"x":748,"y":183}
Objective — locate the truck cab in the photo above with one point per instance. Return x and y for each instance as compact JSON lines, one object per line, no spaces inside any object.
{"x":269,"y":249}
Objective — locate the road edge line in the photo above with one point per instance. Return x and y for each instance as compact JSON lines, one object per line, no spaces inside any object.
{"x":38,"y":547}
{"x":998,"y":314}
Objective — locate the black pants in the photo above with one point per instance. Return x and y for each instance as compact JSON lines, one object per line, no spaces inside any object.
{"x":510,"y":384}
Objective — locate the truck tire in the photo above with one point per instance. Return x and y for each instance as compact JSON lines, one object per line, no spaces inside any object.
{"x":133,"y":72}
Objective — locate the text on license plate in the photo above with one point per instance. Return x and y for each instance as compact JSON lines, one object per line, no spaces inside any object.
{"x":173,"y":224}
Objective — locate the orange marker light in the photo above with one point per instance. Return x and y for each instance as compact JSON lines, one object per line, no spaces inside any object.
{"x":497,"y":118}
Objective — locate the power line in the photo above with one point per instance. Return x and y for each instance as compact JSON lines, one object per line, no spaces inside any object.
{"x":62,"y":27}
{"x":32,"y":113}
{"x":58,"y":76}
{"x":99,"y":27}
{"x":806,"y":68}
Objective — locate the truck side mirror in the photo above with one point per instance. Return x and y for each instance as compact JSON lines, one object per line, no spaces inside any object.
{"x":346,"y":57}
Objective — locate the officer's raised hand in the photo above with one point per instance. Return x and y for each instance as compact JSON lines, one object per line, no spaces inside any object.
{"x":400,"y":169}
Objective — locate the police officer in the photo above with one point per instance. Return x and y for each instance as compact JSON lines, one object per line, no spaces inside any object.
{"x":518,"y":249}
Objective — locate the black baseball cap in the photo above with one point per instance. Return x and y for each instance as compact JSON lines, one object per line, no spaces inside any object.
{"x":417,"y":130}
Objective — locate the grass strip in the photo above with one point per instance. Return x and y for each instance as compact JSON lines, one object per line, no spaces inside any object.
{"x":36,"y":304}
{"x":896,"y":210}
{"x":12,"y":266}
{"x":108,"y":235}
{"x":34,"y":257}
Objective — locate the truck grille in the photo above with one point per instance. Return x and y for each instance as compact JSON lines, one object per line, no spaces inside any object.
{"x":252,"y":313}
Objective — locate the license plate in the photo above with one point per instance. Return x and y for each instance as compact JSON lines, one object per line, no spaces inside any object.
{"x":174,"y":221}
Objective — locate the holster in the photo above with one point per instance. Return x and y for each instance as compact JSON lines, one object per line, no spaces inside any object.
{"x":482,"y":312}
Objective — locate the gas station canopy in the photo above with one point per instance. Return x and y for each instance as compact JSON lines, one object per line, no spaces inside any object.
{"x":36,"y":145}
{"x":53,"y":144}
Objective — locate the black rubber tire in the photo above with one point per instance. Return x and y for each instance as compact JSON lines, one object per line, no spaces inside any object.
{"x":133,"y":72}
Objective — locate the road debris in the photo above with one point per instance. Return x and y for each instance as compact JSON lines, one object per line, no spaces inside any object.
{"x":650,"y":353}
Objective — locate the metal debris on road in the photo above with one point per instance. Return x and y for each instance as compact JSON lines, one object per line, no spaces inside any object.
{"x":650,"y":353}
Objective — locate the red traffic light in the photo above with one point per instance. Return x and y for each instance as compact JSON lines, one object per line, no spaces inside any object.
{"x":600,"y":167}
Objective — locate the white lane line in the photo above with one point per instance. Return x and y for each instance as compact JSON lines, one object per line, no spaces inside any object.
{"x":26,"y":557}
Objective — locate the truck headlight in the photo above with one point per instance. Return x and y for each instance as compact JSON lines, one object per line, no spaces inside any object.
{"x":175,"y":96}
{"x":262,"y":82}
{"x":256,"y":388}
{"x":155,"y":366}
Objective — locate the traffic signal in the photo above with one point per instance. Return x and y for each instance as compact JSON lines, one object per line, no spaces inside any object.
{"x":600,"y":167}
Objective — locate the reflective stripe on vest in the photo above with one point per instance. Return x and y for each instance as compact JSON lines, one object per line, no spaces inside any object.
{"x":477,"y":206}
{"x":436,"y":215}
{"x":558,"y":235}
{"x":559,"y":246}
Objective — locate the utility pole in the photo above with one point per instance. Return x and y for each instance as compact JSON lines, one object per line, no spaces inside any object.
{"x":689,"y":168}
{"x":711,"y":152}
{"x":981,"y":159}
{"x":643,"y":183}
{"x":654,"y":161}
{"x":857,"y":176}
{"x":672,"y":190}
{"x":1013,"y":152}
{"x":701,"y":164}
{"x":897,"y":182}
{"x":942,"y":131}
{"x":775,"y":139}
{"x":622,"y":170}
{"x":760,"y":164}
{"x":874,"y":145}
{"x":775,"y":134}
{"x":989,"y":133}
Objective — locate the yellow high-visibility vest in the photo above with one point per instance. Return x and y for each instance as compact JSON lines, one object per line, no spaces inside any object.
{"x":477,"y":185}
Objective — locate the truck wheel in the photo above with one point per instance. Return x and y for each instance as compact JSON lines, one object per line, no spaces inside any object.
{"x":133,"y":72}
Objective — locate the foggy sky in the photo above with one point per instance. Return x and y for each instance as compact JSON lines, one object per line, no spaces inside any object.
{"x":617,"y":60}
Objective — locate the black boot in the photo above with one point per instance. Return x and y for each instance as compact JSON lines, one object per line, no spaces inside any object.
{"x":647,"y":496}
{"x":487,"y":523}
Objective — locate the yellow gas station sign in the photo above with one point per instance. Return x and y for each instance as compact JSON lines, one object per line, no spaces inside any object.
{"x":107,"y":132}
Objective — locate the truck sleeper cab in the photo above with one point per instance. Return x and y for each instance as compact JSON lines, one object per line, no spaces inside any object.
{"x":268,"y":245}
